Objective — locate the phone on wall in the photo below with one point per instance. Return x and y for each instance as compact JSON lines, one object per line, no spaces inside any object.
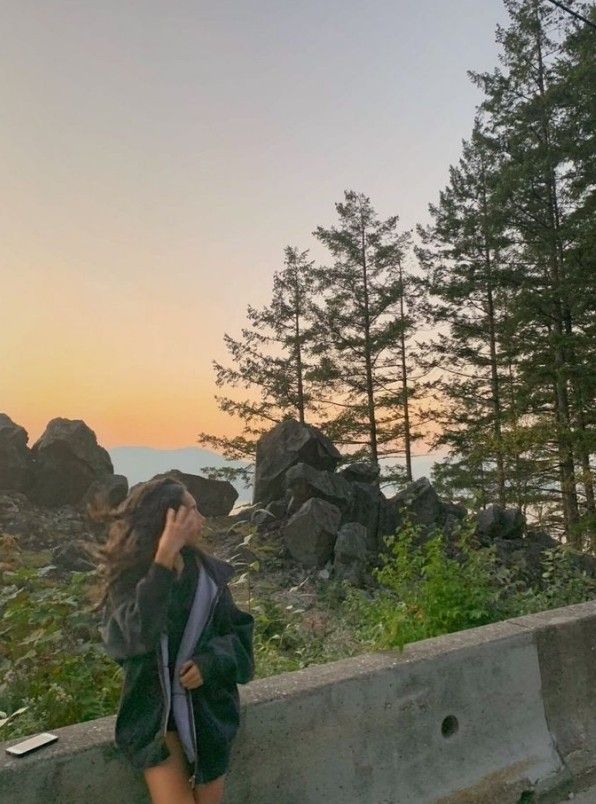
{"x":32,"y":744}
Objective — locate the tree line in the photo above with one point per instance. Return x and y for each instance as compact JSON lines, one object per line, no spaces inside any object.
{"x":474,"y":332}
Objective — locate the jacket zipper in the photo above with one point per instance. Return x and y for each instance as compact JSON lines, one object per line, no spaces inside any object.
{"x":164,"y":718}
{"x":191,"y":715}
{"x":189,"y":697}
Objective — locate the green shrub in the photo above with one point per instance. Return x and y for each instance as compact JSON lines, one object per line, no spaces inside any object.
{"x":425,"y":592}
{"x":563,"y":583}
{"x":52,"y":664}
{"x":54,"y":670}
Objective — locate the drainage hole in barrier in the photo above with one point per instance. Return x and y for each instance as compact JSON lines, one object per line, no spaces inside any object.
{"x":449,"y":726}
{"x":526,"y":797}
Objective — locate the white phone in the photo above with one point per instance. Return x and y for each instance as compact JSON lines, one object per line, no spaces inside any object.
{"x":20,"y":749}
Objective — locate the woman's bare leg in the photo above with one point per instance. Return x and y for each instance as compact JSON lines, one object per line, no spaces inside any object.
{"x":210,"y":792}
{"x":168,"y":781}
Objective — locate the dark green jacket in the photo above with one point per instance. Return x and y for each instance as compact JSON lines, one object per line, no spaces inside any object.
{"x":133,"y":622}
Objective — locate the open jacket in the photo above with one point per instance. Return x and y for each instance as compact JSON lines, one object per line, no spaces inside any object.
{"x":133,"y":631}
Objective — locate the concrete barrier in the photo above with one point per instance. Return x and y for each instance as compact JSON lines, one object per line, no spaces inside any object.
{"x":492,"y":715}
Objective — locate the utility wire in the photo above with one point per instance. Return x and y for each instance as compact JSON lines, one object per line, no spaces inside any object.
{"x":573,"y":13}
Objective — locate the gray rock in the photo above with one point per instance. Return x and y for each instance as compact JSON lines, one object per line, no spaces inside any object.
{"x":103,"y":495}
{"x":541,"y":538}
{"x":67,"y":459}
{"x":213,"y":497}
{"x":361,"y":471}
{"x":261,"y":516}
{"x":41,"y":528}
{"x":454,"y":514}
{"x":496,"y":522}
{"x":310,"y":533}
{"x":245,"y":513}
{"x":365,"y":508}
{"x":73,"y":556}
{"x":303,"y":482}
{"x":390,"y":519}
{"x":16,"y":464}
{"x":350,"y":553}
{"x":289,"y":443}
{"x":421,"y":502}
{"x":278,"y":507}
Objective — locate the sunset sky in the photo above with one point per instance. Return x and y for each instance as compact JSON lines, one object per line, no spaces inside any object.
{"x":157,"y":157}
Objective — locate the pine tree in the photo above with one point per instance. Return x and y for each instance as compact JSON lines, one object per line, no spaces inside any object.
{"x":269,"y":357}
{"x":363,"y":324}
{"x":464,"y":257}
{"x":524,"y":116}
{"x":575,"y":92}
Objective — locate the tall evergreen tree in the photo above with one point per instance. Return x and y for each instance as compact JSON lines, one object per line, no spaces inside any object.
{"x":464,"y":256}
{"x":524,"y":117}
{"x":363,"y":324}
{"x":575,"y":93}
{"x":271,"y":358}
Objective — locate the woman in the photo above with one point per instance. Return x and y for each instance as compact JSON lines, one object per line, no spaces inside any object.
{"x":171,"y":623}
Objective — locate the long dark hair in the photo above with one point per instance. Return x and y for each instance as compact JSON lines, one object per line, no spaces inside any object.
{"x":136,"y":525}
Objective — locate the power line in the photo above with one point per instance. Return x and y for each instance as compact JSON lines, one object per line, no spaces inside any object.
{"x":573,"y":13}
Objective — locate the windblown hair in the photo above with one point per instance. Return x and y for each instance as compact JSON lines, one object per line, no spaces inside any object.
{"x":136,"y":525}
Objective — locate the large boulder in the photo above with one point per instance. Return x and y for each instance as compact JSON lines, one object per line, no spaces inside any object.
{"x":213,"y":497}
{"x":15,"y":456}
{"x":417,"y":502}
{"x":366,"y":506}
{"x":103,"y":495}
{"x":421,"y":502}
{"x":496,"y":522}
{"x":303,"y":481}
{"x":361,"y":471}
{"x":350,"y":553}
{"x":454,"y":514}
{"x":390,"y":520}
{"x":67,"y":459}
{"x":288,"y":443}
{"x":74,"y":556}
{"x":310,"y":533}
{"x":525,"y":555}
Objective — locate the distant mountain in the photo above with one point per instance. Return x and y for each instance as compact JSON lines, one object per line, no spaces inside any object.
{"x":142,"y":463}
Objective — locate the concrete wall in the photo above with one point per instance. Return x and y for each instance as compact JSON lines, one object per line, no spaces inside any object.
{"x":484,"y":715}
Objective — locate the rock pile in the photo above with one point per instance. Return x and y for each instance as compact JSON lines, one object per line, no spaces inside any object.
{"x":336,"y":521}
{"x":55,"y":494}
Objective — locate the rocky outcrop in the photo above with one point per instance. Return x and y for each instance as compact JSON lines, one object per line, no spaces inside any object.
{"x":496,"y":522}
{"x":289,"y":443}
{"x":361,"y":472}
{"x":421,"y":503}
{"x":16,"y":463}
{"x":310,"y":533}
{"x":350,"y":554}
{"x":40,"y":528}
{"x":214,"y":497}
{"x":340,"y":518}
{"x":524,"y":549}
{"x":303,"y":482}
{"x":325,"y":517}
{"x":104,"y":494}
{"x":66,"y":466}
{"x":67,"y":459}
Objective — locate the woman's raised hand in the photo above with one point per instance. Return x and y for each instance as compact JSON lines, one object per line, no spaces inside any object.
{"x":179,"y":526}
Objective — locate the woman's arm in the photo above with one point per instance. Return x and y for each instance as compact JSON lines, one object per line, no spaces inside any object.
{"x":133,"y":621}
{"x":229,"y":658}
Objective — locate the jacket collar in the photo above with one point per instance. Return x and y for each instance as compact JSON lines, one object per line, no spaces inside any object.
{"x":220,"y":570}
